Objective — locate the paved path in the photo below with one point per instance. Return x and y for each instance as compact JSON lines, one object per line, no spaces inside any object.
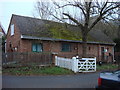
{"x":88,"y":80}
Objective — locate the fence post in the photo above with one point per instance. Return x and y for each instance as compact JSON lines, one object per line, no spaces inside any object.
{"x":95,"y":63}
{"x":53,"y":57}
{"x":55,"y":60}
{"x":75,"y":64}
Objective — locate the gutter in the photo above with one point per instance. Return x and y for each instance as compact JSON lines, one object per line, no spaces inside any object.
{"x":64,"y":40}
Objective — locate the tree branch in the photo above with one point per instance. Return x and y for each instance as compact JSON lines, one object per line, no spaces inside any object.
{"x":103,"y":7}
{"x":101,"y":15}
{"x":88,"y":6}
{"x":95,"y":22}
{"x":75,"y":5}
{"x":110,"y":9}
{"x":73,"y":19}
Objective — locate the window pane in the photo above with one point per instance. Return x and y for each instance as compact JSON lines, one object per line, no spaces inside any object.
{"x":34,"y":48}
{"x":39,"y":47}
{"x":66,"y":47}
{"x":12,"y":29}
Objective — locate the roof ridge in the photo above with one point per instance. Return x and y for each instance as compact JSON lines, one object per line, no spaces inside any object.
{"x":34,"y":18}
{"x":26,"y":16}
{"x":40,"y":19}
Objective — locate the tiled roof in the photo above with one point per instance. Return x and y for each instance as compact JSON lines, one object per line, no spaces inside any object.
{"x":38,"y":28}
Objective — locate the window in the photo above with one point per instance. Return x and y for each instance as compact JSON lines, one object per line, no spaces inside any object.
{"x":12,"y":29}
{"x":66,"y":47}
{"x":37,"y":47}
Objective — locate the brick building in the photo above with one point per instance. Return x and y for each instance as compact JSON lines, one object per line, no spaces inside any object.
{"x":26,"y":34}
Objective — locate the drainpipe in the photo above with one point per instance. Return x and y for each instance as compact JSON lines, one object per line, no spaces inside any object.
{"x":98,"y":52}
{"x":113,"y":53}
{"x":78,"y":49}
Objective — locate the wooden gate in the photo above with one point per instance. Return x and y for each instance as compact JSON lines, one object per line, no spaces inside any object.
{"x":76,"y":64}
{"x":87,"y":65}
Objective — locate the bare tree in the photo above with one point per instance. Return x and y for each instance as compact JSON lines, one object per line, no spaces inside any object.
{"x":43,"y":9}
{"x":83,"y":12}
{"x":47,"y":10}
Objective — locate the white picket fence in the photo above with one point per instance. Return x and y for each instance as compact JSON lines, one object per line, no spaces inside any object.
{"x":76,"y":64}
{"x":63,"y":62}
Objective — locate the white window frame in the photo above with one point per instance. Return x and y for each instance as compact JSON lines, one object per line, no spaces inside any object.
{"x":12,"y":29}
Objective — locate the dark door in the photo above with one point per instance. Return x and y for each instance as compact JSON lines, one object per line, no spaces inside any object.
{"x":102,"y":54}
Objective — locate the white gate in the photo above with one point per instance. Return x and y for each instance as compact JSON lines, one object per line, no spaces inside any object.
{"x":87,"y":65}
{"x":76,"y":64}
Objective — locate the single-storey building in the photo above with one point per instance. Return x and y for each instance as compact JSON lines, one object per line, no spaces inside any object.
{"x":27,"y":34}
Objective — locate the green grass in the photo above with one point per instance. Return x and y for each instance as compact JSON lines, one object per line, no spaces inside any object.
{"x":37,"y":71}
{"x":48,"y":70}
{"x":107,"y":67}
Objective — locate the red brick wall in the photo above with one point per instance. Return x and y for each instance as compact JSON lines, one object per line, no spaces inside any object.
{"x":25,"y":46}
{"x":92,"y":49}
{"x":109,"y":55}
{"x":73,"y":52}
{"x":15,"y":39}
{"x":55,"y":47}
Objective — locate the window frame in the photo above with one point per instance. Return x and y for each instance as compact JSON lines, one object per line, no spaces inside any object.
{"x":36,"y":45}
{"x":64,"y":47}
{"x":12,"y":29}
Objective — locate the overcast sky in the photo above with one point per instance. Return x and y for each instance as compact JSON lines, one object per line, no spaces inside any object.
{"x":9,"y":7}
{"x":18,"y":7}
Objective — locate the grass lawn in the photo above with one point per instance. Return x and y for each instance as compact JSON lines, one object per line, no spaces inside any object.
{"x":48,"y":70}
{"x":107,"y":67}
{"x":51,"y":70}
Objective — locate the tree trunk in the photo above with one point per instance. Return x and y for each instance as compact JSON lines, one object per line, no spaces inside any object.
{"x":84,"y":44}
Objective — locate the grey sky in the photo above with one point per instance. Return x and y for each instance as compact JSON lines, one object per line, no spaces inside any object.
{"x":19,"y":7}
{"x":9,"y":7}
